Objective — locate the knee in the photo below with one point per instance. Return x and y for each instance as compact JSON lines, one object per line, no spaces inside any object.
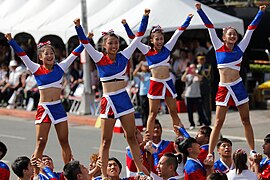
{"x":246,"y":121}
{"x":218,"y":124}
{"x":64,"y":141}
{"x":131,"y":138}
{"x":153,"y":114}
{"x":41,"y":142}
{"x":106,"y":142}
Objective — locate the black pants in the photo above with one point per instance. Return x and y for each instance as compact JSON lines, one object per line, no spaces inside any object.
{"x":191,"y":104}
{"x":144,"y":103}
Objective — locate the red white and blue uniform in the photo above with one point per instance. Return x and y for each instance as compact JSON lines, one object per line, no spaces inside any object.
{"x":114,"y":103}
{"x":232,"y":93}
{"x":131,"y":169}
{"x":161,"y":148}
{"x":221,"y":167}
{"x":160,"y":88}
{"x":48,"y":111}
{"x":265,"y":168}
{"x":49,"y":175}
{"x":203,"y":152}
{"x":4,"y":171}
{"x":194,"y":170}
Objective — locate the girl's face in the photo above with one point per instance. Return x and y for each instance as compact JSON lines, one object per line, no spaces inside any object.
{"x":157,"y":40}
{"x":111,"y":45}
{"x":230,"y":36}
{"x":47,"y":56}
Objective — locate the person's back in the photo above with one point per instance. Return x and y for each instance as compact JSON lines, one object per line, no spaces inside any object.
{"x":241,"y":170}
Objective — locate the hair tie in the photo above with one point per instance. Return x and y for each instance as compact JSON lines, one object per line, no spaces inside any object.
{"x":241,"y":151}
{"x":41,"y":44}
{"x":157,"y":28}
{"x":107,"y":33}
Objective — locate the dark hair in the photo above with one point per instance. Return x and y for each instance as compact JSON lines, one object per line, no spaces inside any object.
{"x":217,"y":176}
{"x":227,"y":28}
{"x":171,"y":160}
{"x":117,"y":162}
{"x":20,"y":164}
{"x":105,"y":37}
{"x":41,"y":48}
{"x":240,"y":160}
{"x":223,"y":140}
{"x":3,"y":149}
{"x":267,"y":138}
{"x":152,"y":31}
{"x":71,"y":170}
{"x":157,"y":122}
{"x":184,"y":145}
{"x":206,"y":130}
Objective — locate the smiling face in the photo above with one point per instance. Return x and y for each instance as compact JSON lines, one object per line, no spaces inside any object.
{"x":230,"y":36}
{"x":111,"y":44}
{"x":157,"y":39}
{"x":47,"y":55}
{"x":225,"y":150}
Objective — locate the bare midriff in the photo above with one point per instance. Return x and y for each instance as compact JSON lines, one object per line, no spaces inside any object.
{"x":228,"y":75}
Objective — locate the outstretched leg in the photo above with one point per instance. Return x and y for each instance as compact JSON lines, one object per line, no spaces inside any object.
{"x":154,"y":105}
{"x":107,"y":125}
{"x":244,"y":115}
{"x":128,"y":123}
{"x":171,"y":104}
{"x":62,"y":134}
{"x":220,"y":118}
{"x":42,"y":132}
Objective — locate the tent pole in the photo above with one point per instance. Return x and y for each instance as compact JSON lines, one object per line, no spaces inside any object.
{"x":86,"y":96}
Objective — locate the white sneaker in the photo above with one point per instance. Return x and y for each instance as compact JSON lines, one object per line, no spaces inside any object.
{"x":252,"y":153}
{"x":191,"y":127}
{"x":10,"y":106}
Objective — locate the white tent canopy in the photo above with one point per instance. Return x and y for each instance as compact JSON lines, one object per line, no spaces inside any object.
{"x":27,"y":10}
{"x":9,"y":7}
{"x":45,"y":17}
{"x":170,"y":15}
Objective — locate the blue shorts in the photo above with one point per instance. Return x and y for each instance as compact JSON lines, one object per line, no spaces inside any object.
{"x":53,"y":112}
{"x":233,"y":93}
{"x":115,"y":104}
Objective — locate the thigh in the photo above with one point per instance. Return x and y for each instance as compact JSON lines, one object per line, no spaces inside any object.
{"x":171,"y":103}
{"x":154,"y":105}
{"x":107,"y":125}
{"x":244,"y":111}
{"x":128,"y":123}
{"x":62,"y":130}
{"x":42,"y":131}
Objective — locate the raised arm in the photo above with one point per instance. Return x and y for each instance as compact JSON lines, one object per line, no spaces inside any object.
{"x":21,"y":53}
{"x":127,"y":52}
{"x":95,"y":55}
{"x":170,"y":44}
{"x":244,"y":42}
{"x":142,"y":47}
{"x":217,"y":43}
{"x":69,"y":60}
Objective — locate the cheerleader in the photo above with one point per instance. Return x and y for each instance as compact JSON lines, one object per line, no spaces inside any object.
{"x":231,"y":89}
{"x":115,"y":102}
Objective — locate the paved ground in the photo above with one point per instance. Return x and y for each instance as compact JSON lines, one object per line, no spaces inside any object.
{"x":232,"y":128}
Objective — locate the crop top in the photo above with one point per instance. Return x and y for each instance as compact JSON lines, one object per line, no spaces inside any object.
{"x":44,"y":77}
{"x":107,"y":68}
{"x":225,"y":57}
{"x":161,"y":58}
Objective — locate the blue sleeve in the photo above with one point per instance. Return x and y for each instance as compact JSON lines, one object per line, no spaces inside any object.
{"x":49,"y":173}
{"x":205,"y":19}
